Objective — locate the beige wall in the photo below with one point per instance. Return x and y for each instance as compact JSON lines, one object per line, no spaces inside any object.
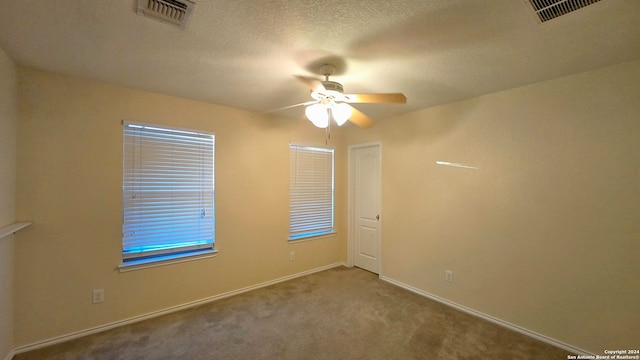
{"x":546,"y":233}
{"x":69,"y":185}
{"x":8,"y":120}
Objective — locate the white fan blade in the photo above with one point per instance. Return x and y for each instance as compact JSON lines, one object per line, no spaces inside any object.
{"x":292,"y":106}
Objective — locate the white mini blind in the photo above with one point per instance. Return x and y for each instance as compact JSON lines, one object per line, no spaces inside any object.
{"x":311,"y":191}
{"x":167,"y":191}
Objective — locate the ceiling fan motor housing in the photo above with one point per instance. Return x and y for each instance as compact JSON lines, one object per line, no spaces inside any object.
{"x":332,"y":92}
{"x":333,"y":86}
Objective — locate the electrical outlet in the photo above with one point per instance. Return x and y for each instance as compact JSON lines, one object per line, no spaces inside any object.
{"x":98,"y":296}
{"x":292,"y":256}
{"x":448,"y":275}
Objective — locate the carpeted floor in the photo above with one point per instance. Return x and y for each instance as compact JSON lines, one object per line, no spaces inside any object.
{"x":341,"y":313}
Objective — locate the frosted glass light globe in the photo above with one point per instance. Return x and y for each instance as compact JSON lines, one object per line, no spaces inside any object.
{"x":318,"y":115}
{"x":341,"y":113}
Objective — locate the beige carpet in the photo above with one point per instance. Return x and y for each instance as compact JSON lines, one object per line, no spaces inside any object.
{"x":342,"y":313}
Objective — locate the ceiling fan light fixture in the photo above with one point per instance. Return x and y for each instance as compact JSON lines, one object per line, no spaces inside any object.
{"x":341,"y":113}
{"x":317,"y":114}
{"x":330,"y":101}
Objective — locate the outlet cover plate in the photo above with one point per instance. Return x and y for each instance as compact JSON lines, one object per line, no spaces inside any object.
{"x":98,"y":296}
{"x":448,"y":275}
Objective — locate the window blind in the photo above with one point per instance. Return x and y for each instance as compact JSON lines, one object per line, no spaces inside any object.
{"x":167,"y":191}
{"x":311,"y":191}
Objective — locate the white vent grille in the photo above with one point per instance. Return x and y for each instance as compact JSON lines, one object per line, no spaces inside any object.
{"x":175,"y":12}
{"x":550,"y":9}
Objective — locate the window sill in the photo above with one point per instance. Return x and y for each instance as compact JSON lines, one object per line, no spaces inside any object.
{"x":313,"y":237}
{"x":165,"y":260}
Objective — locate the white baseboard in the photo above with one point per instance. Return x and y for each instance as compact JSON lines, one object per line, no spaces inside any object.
{"x":490,"y":318}
{"x":135,"y":319}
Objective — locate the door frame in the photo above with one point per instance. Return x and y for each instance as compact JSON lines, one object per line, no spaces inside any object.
{"x":351,"y":202}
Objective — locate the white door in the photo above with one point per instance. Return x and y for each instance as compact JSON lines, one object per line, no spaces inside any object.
{"x":366,"y":207}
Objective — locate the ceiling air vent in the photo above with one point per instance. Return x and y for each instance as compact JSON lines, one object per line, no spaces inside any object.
{"x":174,"y":12}
{"x":550,"y":9}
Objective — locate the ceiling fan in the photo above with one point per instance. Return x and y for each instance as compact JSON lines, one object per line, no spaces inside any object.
{"x":330,"y":101}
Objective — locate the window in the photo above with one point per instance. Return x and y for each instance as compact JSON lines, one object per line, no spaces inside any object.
{"x":167,"y":193}
{"x":311,"y":192}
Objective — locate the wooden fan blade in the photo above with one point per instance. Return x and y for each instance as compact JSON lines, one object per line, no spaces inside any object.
{"x":291,"y":106}
{"x":375,"y":98}
{"x":360,"y":119}
{"x":314,"y":84}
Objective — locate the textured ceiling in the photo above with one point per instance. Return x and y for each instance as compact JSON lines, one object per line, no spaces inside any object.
{"x":244,"y":53}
